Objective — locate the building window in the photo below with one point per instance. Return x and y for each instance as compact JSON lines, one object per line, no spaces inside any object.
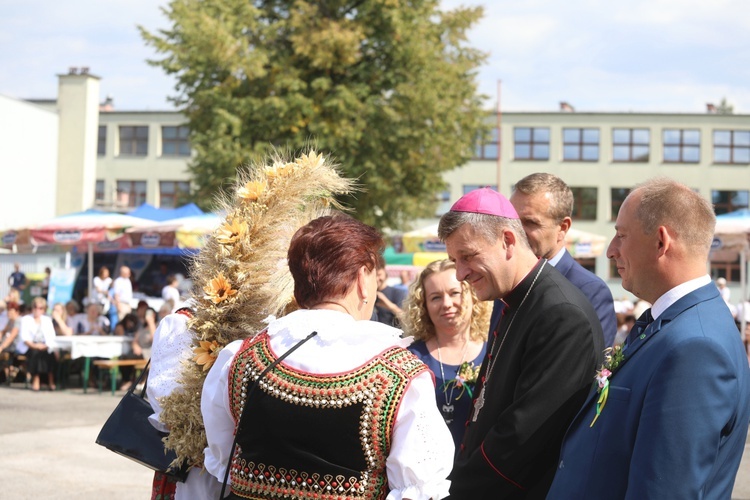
{"x":580,"y":144}
{"x":531,"y":143}
{"x":444,"y":202}
{"x":487,"y":150}
{"x":732,"y":146}
{"x":681,"y":145}
{"x":172,"y":192}
{"x":729,"y":201}
{"x":133,"y":141}
{"x":174,"y":141}
{"x":730,"y":271}
{"x":584,"y":203}
{"x":588,"y":264}
{"x":617,"y":196}
{"x":630,"y":144}
{"x":101,"y":146}
{"x":99,"y":195}
{"x":131,"y":193}
{"x":468,"y":188}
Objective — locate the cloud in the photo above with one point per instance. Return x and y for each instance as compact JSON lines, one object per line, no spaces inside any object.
{"x":645,"y":55}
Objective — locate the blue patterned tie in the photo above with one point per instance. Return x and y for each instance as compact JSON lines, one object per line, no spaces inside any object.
{"x":640,"y":326}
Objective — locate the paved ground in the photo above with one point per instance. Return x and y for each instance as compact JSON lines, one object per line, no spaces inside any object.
{"x":48,"y":449}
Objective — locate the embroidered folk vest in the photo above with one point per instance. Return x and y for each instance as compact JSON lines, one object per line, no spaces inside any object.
{"x":306,"y":435}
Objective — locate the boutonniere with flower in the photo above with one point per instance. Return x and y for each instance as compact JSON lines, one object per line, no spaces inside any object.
{"x":467,"y":373}
{"x":466,"y":377}
{"x":613,"y":357}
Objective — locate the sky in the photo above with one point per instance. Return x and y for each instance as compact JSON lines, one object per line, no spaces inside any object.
{"x":597,"y":55}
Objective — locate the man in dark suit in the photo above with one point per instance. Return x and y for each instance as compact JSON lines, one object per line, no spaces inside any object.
{"x":545,"y":205}
{"x":540,"y":362}
{"x":669,"y":418}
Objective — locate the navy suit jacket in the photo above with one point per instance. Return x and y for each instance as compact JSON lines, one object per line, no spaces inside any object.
{"x":676,"y":418}
{"x":592,"y":286}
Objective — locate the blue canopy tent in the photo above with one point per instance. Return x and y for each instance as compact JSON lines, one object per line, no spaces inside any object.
{"x":150,"y":212}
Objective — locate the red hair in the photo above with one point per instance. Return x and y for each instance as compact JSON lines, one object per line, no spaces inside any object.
{"x":326,"y":254}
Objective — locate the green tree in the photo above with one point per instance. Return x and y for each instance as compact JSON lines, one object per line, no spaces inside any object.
{"x":724,"y":108}
{"x":385,"y":86}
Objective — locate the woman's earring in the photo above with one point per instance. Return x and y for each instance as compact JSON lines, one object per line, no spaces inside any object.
{"x":365,"y":301}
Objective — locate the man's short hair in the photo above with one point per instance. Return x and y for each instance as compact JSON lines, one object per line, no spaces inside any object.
{"x":666,"y":202}
{"x":561,"y":196}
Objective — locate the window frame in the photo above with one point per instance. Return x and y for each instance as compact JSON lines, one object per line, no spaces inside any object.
{"x":581,"y":203}
{"x":721,"y":207}
{"x":630,"y":145}
{"x":731,"y":147}
{"x":176,"y":141}
{"x":532,"y":143}
{"x":480,"y":148}
{"x":681,"y":145}
{"x":174,"y":195}
{"x":129,"y":145}
{"x":133,"y":193}
{"x":581,"y":144}
{"x":101,"y":141}
{"x":615,"y":204}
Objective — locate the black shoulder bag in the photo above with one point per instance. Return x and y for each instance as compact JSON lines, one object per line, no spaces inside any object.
{"x":128,"y":432}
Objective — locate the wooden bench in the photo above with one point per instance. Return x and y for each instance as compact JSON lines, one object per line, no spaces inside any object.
{"x":113,"y":365}
{"x":6,"y":359}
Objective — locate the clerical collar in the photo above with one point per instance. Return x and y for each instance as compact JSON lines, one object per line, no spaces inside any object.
{"x":515,"y":296}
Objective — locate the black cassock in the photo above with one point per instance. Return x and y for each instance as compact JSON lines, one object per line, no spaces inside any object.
{"x":538,"y":380}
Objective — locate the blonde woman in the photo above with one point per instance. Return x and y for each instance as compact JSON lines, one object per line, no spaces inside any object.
{"x":38,"y":337}
{"x":449,"y":325}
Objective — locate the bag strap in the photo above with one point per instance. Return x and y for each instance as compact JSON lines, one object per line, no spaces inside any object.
{"x":247,"y":398}
{"x":140,"y":379}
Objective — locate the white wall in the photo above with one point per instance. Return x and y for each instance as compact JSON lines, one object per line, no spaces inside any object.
{"x":28,"y":163}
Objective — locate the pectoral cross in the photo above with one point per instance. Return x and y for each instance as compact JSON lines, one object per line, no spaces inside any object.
{"x":478,"y":404}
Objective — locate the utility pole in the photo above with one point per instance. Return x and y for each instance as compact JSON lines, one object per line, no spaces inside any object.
{"x":499,"y":138}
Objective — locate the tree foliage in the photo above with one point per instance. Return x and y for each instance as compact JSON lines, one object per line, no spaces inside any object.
{"x":385,"y":86}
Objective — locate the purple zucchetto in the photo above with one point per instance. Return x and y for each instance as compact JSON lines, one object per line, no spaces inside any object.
{"x":485,"y":201}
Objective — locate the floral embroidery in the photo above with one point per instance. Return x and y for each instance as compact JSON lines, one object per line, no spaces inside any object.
{"x":613,"y":357}
{"x":378,"y":386}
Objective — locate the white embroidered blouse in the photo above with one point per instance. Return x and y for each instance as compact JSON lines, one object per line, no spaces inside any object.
{"x":421,"y":455}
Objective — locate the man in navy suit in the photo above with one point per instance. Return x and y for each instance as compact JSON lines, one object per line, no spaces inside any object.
{"x":669,"y":418}
{"x":545,"y":205}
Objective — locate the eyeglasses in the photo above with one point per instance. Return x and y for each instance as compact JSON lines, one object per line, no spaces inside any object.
{"x":39,"y":307}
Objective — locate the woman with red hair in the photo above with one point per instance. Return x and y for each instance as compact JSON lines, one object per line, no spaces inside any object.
{"x":350,"y":413}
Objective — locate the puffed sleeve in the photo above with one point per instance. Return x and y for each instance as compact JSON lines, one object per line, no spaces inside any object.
{"x":422,"y":448}
{"x":171,"y":346}
{"x":217,"y":416}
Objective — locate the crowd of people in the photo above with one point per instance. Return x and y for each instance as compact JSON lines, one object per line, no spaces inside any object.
{"x":535,"y":406}
{"x":28,"y":331}
{"x":507,"y":371}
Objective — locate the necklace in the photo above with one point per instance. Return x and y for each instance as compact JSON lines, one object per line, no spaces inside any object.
{"x":447,"y":409}
{"x":479,"y":403}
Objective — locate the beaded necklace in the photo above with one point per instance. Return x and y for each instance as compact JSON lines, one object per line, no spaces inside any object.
{"x":447,"y":409}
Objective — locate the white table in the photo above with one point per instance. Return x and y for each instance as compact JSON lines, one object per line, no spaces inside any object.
{"x":93,"y":346}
